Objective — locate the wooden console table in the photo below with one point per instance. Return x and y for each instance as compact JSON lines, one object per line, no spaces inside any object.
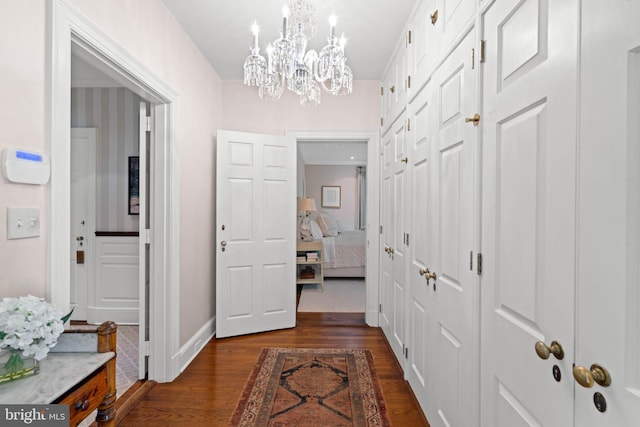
{"x":79,"y":371}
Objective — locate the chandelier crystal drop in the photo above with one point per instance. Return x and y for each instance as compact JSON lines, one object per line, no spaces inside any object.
{"x":290,"y":65}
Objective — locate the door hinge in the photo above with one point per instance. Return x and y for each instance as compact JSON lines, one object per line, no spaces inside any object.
{"x":406,"y":352}
{"x":408,"y":125}
{"x":407,"y":243}
{"x":471,"y":260}
{"x":409,"y":37}
{"x":147,"y":236}
{"x":473,"y":58}
{"x":147,"y":346}
{"x":408,"y":82}
{"x":379,"y":308}
{"x":482,"y":50}
{"x":380,"y":229}
{"x":381,"y":90}
{"x":479,"y":262}
{"x":148,"y":124}
{"x":381,"y":121}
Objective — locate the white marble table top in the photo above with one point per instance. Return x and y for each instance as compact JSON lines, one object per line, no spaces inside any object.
{"x":59,"y":372}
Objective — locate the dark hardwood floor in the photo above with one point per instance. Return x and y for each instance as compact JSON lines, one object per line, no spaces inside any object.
{"x":206,"y":393}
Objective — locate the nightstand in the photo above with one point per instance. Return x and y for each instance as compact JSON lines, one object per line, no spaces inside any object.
{"x":309,"y":263}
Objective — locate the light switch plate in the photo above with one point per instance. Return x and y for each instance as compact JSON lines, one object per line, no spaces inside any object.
{"x":23,"y":223}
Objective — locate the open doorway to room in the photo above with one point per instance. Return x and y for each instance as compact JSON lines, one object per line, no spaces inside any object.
{"x":158,"y":264}
{"x":104,"y":227}
{"x":334,"y":176}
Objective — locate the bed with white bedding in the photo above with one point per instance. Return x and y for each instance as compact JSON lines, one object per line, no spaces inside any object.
{"x":343,"y":251}
{"x":344,"y":255}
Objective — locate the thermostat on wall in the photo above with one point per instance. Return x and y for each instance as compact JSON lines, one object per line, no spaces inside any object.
{"x":25,"y":166}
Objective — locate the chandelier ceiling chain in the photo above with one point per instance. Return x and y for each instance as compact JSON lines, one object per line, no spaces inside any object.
{"x":290,"y":65}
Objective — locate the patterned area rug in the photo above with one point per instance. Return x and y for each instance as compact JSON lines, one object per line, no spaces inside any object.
{"x":312,"y":387}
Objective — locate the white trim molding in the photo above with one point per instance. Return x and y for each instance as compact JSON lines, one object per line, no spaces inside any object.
{"x":70,"y":31}
{"x":372,"y":137}
{"x":196,"y":343}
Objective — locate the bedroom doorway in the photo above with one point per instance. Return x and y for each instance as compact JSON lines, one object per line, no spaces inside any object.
{"x":340,"y":165}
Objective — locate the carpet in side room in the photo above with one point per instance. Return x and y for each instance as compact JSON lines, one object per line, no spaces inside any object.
{"x":339,"y":296}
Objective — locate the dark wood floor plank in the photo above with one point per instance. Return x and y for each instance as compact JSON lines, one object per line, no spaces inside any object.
{"x":206,"y":393}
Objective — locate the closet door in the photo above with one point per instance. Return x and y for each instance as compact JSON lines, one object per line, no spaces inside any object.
{"x":450,"y":18}
{"x":455,"y":351}
{"x":395,"y":85}
{"x":422,"y":48}
{"x":528,"y":211}
{"x":608,"y":297}
{"x":393,"y":257}
{"x":421,"y":369}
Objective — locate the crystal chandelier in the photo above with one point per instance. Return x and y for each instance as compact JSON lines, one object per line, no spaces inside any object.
{"x":290,"y":65}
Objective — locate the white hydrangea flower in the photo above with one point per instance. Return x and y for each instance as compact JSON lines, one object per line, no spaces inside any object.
{"x":29,"y":324}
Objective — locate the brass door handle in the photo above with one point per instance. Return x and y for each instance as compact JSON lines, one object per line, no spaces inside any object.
{"x":393,"y":89}
{"x":475,"y":119}
{"x":434,"y":17}
{"x":430,"y":276}
{"x":587,"y":377}
{"x":544,"y":351}
{"x":405,"y":160}
{"x":423,"y":271}
{"x":223,"y":243}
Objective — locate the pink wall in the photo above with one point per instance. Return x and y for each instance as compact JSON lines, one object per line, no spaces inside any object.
{"x":343,"y":176}
{"x":245,"y":111}
{"x":22,"y":123}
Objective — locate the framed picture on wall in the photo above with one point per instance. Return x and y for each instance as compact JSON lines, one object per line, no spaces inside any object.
{"x":134,"y":185}
{"x":330,"y":196}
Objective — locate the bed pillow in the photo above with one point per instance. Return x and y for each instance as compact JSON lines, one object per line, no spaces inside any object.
{"x":328,"y":224}
{"x":316,"y":231}
{"x":322,"y":224}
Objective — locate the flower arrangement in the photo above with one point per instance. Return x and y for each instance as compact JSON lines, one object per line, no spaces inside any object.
{"x":28,"y":325}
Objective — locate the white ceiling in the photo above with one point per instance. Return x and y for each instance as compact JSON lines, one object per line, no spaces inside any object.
{"x":222,"y":30}
{"x":333,"y":152}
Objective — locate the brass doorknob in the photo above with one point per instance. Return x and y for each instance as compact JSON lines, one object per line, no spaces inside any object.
{"x":223,"y":243}
{"x":430,"y":276}
{"x":544,"y":351}
{"x":587,"y":377}
{"x":475,"y":119}
{"x":423,"y":271}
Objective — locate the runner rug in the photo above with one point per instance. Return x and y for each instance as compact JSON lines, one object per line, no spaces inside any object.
{"x":312,"y":387}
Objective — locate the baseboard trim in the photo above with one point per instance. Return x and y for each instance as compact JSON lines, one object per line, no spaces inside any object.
{"x":196,"y":343}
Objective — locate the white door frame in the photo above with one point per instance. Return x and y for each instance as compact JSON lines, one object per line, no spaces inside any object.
{"x":69,"y":29}
{"x":373,"y":197}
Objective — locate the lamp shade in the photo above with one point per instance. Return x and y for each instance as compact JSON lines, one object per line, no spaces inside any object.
{"x":307,"y":204}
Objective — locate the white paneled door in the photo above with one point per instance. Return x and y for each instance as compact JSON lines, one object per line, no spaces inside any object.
{"x":393,"y":289}
{"x":255,"y":233}
{"x":83,"y":217}
{"x":528,"y":211}
{"x":608,"y":297}
{"x":421,"y":370}
{"x":453,"y":283}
